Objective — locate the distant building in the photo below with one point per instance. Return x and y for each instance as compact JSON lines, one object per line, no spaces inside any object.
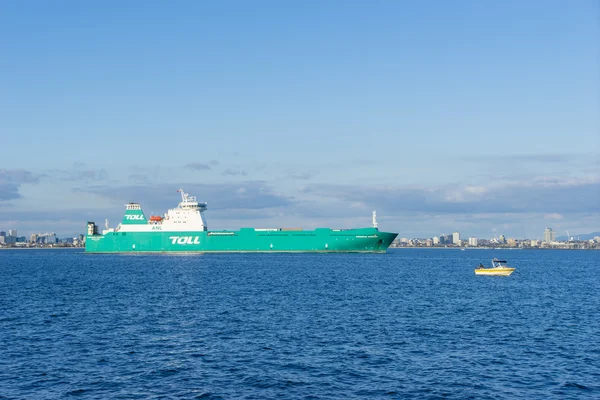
{"x":45,"y":238}
{"x":51,"y":238}
{"x":502,"y":239}
{"x":445,"y":239}
{"x":33,"y":238}
{"x":12,"y":232}
{"x":436,"y":240}
{"x":534,"y":243}
{"x":473,"y":241}
{"x":511,"y":242}
{"x":549,"y":235}
{"x":2,"y":233}
{"x":456,"y":238}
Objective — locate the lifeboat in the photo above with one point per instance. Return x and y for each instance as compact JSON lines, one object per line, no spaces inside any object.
{"x":155,"y":218}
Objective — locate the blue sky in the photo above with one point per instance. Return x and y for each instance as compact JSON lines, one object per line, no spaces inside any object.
{"x":481,"y":117}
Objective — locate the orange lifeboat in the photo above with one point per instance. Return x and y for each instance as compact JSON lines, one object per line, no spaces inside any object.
{"x":155,"y":218}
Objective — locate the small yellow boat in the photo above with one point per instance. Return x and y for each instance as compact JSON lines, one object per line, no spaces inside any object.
{"x":499,"y":267}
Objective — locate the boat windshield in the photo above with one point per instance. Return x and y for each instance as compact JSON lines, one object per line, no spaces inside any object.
{"x":499,"y":263}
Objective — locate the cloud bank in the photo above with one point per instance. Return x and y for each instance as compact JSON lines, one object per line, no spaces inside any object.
{"x":12,"y":179}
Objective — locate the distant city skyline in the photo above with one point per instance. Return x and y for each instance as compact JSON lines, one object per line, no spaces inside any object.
{"x":547,"y":236}
{"x":480,"y":118}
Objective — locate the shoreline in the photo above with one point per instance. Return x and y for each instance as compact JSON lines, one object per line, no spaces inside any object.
{"x":389,"y":248}
{"x":41,"y":248}
{"x":486,"y":248}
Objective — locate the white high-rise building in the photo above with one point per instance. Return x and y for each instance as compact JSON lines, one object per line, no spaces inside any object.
{"x":473,"y":241}
{"x":12,"y":232}
{"x":549,"y":235}
{"x":51,"y":238}
{"x":456,"y":238}
{"x":436,"y":240}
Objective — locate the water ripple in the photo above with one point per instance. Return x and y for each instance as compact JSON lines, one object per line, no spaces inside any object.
{"x":407,"y":324}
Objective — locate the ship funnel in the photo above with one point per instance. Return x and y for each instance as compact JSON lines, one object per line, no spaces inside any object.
{"x":134,"y":215}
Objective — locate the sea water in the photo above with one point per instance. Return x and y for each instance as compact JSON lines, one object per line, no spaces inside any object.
{"x":412,"y":323}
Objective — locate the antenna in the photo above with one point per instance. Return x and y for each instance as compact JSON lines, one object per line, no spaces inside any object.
{"x":374,"y":219}
{"x":185,"y":197}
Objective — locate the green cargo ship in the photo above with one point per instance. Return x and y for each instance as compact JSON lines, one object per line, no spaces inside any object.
{"x":183,"y":230}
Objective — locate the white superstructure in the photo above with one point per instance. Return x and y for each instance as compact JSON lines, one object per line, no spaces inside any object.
{"x":187,"y":216}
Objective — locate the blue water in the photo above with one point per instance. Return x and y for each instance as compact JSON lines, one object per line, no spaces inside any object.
{"x":407,"y":324}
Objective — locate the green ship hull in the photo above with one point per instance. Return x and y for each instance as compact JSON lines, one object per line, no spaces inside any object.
{"x":246,"y":240}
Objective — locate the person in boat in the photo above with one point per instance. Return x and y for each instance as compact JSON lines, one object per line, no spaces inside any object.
{"x":481,"y":265}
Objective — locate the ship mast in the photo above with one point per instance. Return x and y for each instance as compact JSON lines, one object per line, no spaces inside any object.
{"x":185,"y":197}
{"x":374,"y":219}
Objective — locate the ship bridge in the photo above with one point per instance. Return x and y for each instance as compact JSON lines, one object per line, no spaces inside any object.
{"x":190,"y":203}
{"x":187,"y":216}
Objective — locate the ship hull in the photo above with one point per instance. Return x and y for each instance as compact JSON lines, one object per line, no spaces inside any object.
{"x":246,"y":240}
